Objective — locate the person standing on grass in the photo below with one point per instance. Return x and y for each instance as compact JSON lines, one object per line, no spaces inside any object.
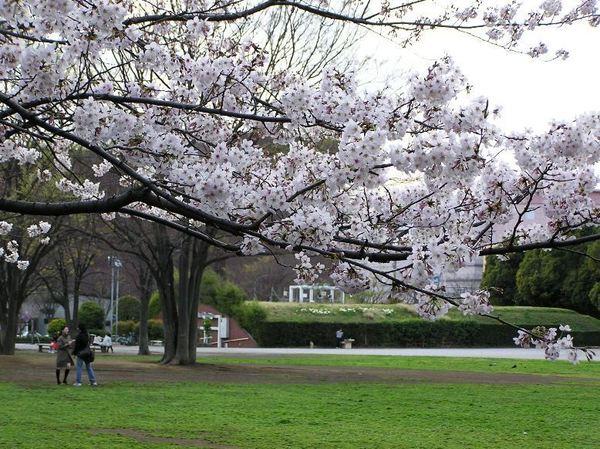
{"x":339,"y":336}
{"x":84,"y":355}
{"x":63,"y":358}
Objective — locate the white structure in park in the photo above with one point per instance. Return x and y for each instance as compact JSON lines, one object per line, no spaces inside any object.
{"x":222,"y":328}
{"x":315,"y":293}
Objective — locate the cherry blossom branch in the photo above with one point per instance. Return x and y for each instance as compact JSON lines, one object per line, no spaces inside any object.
{"x":185,"y":209}
{"x":182,"y":106}
{"x":31,"y":38}
{"x":364,"y":21}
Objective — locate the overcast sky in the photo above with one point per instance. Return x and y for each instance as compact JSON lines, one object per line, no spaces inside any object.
{"x":531,"y":92}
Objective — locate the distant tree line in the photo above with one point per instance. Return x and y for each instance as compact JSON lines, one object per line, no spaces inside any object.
{"x":568,"y":278}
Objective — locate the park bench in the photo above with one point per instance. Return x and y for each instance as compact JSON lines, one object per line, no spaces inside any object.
{"x":347,"y":343}
{"x":234,"y":340}
{"x":42,"y":346}
{"x":156,"y":343}
{"x":225,"y":343}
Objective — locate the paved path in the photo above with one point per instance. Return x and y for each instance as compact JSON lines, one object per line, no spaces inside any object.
{"x":30,"y":368}
{"x":500,"y":353}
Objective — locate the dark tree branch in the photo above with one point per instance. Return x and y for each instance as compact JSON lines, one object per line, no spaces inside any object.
{"x":106,"y":205}
{"x":548,"y":244}
{"x":328,"y":14}
{"x":184,"y":229}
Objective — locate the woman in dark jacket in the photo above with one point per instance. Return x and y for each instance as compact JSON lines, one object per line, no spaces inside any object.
{"x":63,"y":358}
{"x":84,"y":355}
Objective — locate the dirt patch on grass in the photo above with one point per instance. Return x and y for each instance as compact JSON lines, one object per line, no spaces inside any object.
{"x":38,"y":369}
{"x":144,"y":437}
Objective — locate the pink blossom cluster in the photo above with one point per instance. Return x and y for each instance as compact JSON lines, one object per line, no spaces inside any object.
{"x":476,"y":303}
{"x":38,"y":229}
{"x":350,"y":279}
{"x":307,"y":272}
{"x":552,"y":341}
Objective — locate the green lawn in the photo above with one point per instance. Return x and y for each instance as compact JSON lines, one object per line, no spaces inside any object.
{"x":323,"y":416}
{"x":467,"y":364}
{"x":304,"y":416}
{"x":480,"y":365}
{"x":369,"y":313}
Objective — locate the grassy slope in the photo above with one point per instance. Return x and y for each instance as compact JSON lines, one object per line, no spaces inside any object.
{"x":340,"y":416}
{"x":528,"y":316}
{"x":294,"y":312}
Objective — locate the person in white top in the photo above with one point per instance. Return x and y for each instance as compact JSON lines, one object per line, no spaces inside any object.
{"x":107,"y":343}
{"x":339,"y":337}
{"x":97,"y":340}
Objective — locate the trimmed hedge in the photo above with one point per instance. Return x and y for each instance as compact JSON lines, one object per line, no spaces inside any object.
{"x":409,"y":333}
{"x":33,"y":340}
{"x":155,"y":329}
{"x":56,"y":326}
{"x":127,"y":327}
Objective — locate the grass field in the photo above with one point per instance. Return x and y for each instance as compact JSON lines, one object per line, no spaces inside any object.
{"x":368,"y":313}
{"x":263,"y":411}
{"x":466,"y":364}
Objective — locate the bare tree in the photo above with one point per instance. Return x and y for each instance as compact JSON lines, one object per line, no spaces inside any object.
{"x":70,"y":264}
{"x":18,"y":283}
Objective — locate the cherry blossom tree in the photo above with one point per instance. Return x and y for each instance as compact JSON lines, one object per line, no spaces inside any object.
{"x":163,"y":98}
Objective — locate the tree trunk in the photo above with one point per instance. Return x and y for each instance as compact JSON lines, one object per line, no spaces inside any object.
{"x":200,"y":256}
{"x":191,"y":267}
{"x":182,"y":356}
{"x":145,"y":284}
{"x":75,"y":315}
{"x":143,"y":332}
{"x":179,"y":308}
{"x":169,"y":314}
{"x":13,"y":284}
{"x":164,"y":274}
{"x":8,"y":328}
{"x":67,"y":310}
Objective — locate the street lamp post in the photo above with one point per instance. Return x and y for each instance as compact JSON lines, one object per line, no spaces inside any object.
{"x":115,"y":267}
{"x":112,"y":292}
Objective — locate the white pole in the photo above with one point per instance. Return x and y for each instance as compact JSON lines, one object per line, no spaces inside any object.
{"x":117,"y":298}
{"x":218,"y":331}
{"x":112,"y":293}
